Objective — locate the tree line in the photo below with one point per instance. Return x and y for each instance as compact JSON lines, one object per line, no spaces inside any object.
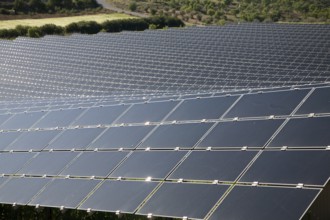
{"x":92,"y":27}
{"x":45,"y":6}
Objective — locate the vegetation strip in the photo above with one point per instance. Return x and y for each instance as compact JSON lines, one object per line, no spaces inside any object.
{"x":92,"y":27}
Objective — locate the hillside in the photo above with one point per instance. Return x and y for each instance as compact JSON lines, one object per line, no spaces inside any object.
{"x":220,"y":11}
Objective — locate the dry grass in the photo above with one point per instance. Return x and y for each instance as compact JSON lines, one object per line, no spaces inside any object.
{"x":62,"y":21}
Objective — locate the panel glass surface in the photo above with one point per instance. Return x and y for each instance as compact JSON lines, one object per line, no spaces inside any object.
{"x":204,"y":108}
{"x":241,"y":133}
{"x":4,"y":118}
{"x":75,"y":139}
{"x":6,"y":138}
{"x":260,"y":203}
{"x":36,"y":140}
{"x":21,"y":190}
{"x":290,"y":167}
{"x":121,"y":137}
{"x":49,"y":163}
{"x":65,"y":192}
{"x":125,"y":196}
{"x":304,"y":132}
{"x":59,"y":118}
{"x":10,"y":163}
{"x":317,"y":102}
{"x":213,"y":165}
{"x":147,"y":112}
{"x":178,"y":135}
{"x":21,"y":121}
{"x":145,"y":164}
{"x":97,"y":164}
{"x":100,"y":115}
{"x":265,"y":104}
{"x":183,"y":199}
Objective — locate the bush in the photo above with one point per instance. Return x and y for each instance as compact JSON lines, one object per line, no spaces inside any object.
{"x":34,"y":32}
{"x":132,"y":6}
{"x":51,"y":29}
{"x":8,"y":33}
{"x":22,"y":30}
{"x":164,"y":21}
{"x":84,"y":27}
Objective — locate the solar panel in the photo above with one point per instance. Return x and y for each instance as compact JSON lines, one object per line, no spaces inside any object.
{"x":202,"y":115}
{"x":183,"y":199}
{"x":237,"y":134}
{"x":10,"y":163}
{"x":194,"y":109}
{"x":213,"y":165}
{"x":98,"y":164}
{"x":48,"y":163}
{"x":317,"y":102}
{"x":58,"y":118}
{"x":64,"y":192}
{"x":147,"y":112}
{"x":21,"y":190}
{"x":246,"y":202}
{"x":304,"y":132}
{"x":121,"y":137}
{"x":308,"y":167}
{"x":266,"y":104}
{"x":176,"y":135}
{"x":36,"y":140}
{"x":21,"y":121}
{"x":67,"y":140}
{"x":156,"y":165}
{"x":113,"y":196}
{"x":100,"y":115}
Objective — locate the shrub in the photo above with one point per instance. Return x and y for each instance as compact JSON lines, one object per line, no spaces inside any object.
{"x":132,"y":6}
{"x":34,"y":32}
{"x":51,"y":29}
{"x":22,"y":30}
{"x":8,"y":33}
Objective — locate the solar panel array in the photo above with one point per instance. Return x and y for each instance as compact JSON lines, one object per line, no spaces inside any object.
{"x":232,"y":57}
{"x":198,"y":123}
{"x":195,"y":157}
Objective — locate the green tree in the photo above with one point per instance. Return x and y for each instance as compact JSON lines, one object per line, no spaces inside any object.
{"x":132,"y":6}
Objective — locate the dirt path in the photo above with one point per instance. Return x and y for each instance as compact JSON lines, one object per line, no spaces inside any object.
{"x":111,"y":7}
